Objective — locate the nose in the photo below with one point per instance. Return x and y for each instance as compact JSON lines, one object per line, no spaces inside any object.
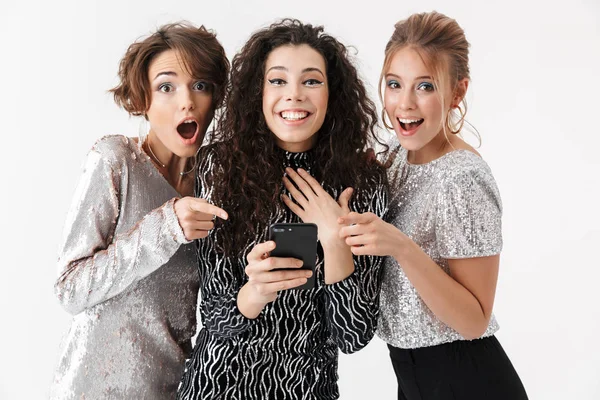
{"x":294,"y":93}
{"x":187,"y":100}
{"x":407,"y":100}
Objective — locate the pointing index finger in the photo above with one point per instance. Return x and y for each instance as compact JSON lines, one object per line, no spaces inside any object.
{"x":201,"y":205}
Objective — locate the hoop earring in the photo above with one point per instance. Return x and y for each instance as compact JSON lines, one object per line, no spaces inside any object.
{"x":461,"y":121}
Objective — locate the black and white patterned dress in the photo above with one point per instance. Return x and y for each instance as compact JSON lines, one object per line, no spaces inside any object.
{"x":290,"y":351}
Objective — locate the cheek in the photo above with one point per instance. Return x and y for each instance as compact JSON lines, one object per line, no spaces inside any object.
{"x":204,"y":103}
{"x":434,"y":109}
{"x":267,"y":104}
{"x":322,"y":101}
{"x":390,"y":103}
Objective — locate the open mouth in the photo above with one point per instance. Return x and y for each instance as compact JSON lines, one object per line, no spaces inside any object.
{"x":294,"y":115}
{"x":187,"y":129}
{"x":410,"y":124}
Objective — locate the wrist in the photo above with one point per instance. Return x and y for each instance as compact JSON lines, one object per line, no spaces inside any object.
{"x":334,"y":243}
{"x":403,"y":247}
{"x":247,"y":303}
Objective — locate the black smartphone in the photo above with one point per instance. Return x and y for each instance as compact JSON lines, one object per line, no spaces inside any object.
{"x":297,"y":241}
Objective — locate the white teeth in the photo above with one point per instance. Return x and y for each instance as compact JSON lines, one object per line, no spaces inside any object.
{"x":189,"y":121}
{"x":409,"y":121}
{"x":294,"y":115}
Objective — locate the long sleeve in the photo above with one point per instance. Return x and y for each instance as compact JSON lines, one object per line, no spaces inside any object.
{"x":353,"y":303}
{"x":223,"y":318}
{"x":95,"y":264}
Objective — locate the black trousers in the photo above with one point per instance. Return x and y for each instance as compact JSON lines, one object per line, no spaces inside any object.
{"x":461,"y":370}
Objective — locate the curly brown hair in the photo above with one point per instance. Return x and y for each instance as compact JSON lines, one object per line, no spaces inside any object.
{"x":249,"y":178}
{"x":201,"y":53}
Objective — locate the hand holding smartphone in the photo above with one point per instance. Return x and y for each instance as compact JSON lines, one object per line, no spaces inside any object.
{"x":297,"y":241}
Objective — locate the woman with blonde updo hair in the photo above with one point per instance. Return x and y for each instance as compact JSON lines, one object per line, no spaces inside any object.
{"x":443,"y":235}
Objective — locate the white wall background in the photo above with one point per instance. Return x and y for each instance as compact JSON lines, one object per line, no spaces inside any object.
{"x":534,"y":99}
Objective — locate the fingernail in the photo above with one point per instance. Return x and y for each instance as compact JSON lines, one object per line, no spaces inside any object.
{"x":224,"y":215}
{"x":299,"y":263}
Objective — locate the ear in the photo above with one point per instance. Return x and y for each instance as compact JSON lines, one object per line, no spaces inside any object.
{"x":460,"y":92}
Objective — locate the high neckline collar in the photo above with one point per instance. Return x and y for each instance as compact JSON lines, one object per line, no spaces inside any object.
{"x":303,"y":159}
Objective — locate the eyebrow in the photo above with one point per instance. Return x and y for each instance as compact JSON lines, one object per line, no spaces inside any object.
{"x":418,"y":77}
{"x":167,"y":73}
{"x":309,"y":69}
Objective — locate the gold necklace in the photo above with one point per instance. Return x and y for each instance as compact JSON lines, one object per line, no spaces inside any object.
{"x":153,"y":155}
{"x":182,"y":173}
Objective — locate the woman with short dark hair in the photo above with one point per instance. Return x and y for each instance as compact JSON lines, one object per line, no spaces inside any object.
{"x":126,"y":265}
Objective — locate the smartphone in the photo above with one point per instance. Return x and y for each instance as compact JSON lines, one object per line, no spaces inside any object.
{"x":297,"y":241}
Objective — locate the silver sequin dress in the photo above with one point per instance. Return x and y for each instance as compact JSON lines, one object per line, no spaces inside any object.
{"x":451,"y":208}
{"x":128,"y":277}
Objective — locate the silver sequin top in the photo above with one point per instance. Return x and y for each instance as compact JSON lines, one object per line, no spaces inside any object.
{"x":127,"y":279}
{"x":451,"y":208}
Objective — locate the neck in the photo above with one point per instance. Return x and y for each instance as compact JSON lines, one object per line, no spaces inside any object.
{"x":437,"y":147}
{"x":299,"y":147}
{"x":176,"y":170}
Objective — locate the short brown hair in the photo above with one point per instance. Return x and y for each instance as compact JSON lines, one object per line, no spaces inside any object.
{"x":202,"y":55}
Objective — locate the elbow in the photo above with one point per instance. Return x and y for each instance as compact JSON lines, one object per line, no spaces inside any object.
{"x":66,"y":298}
{"x":346,"y":349}
{"x":475,"y":330}
{"x":352,"y":346}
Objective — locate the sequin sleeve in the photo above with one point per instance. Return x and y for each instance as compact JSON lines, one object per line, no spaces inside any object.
{"x":93,"y":265}
{"x":353,"y":303}
{"x":468,"y":215}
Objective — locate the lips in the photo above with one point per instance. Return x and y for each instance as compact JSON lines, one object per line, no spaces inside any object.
{"x":294,"y":115}
{"x":187,"y":129}
{"x":409,"y":124}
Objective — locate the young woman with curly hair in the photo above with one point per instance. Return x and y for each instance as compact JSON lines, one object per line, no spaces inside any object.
{"x":292,"y":146}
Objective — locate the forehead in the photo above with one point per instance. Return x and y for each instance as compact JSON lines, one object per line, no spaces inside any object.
{"x":167,"y":61}
{"x":407,"y":62}
{"x":295,"y":58}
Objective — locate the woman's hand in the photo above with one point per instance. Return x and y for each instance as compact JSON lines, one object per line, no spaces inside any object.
{"x":196,"y":216}
{"x":367,"y":234}
{"x":315,"y":205}
{"x":267,"y":276}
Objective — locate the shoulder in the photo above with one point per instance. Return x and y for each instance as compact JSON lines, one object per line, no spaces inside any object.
{"x":114,"y":148}
{"x":467,"y":174}
{"x":208,"y":156}
{"x":395,"y":163}
{"x":465,"y":166}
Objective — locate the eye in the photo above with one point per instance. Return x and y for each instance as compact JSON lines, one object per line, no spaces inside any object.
{"x":277,"y":82}
{"x":393,"y":84}
{"x":165,"y":88}
{"x":312,"y":82}
{"x":426,"y":86}
{"x":202,"y":86}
